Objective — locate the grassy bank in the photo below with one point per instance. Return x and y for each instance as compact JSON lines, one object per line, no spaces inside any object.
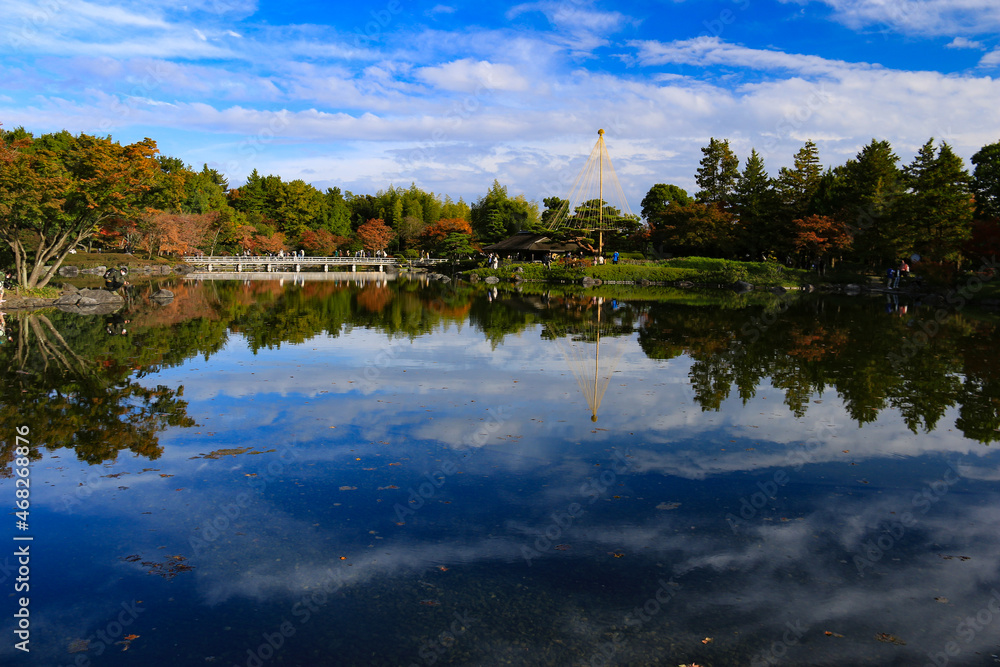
{"x":699,"y":270}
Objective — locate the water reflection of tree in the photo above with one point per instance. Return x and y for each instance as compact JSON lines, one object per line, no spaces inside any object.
{"x":812,"y":346}
{"x":63,"y":383}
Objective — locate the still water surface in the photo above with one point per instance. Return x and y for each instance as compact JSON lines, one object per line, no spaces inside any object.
{"x":402,"y":474}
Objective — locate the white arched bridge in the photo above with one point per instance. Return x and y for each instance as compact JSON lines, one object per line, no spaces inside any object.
{"x":298,"y":264}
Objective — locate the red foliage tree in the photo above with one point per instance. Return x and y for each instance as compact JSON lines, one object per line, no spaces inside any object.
{"x":273,"y":243}
{"x":375,"y":235}
{"x":820,"y":236}
{"x":322,"y":242}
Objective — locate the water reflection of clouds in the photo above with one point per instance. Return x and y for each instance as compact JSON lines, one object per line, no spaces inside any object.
{"x":751,"y":582}
{"x":306,"y":390}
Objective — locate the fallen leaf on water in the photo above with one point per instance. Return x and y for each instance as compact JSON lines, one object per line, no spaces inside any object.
{"x":668,"y":506}
{"x":941,"y":600}
{"x":430,"y":603}
{"x":562,"y":547}
{"x":79,"y":646}
{"x":706,"y":640}
{"x":348,"y":488}
{"x":833,"y":634}
{"x":889,"y":639}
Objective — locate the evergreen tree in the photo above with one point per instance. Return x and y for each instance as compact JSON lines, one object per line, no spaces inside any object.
{"x":939,"y":207}
{"x":755,"y":204}
{"x":869,"y":200}
{"x":496,"y":216}
{"x":986,"y":181}
{"x":336,"y":213}
{"x":797,"y":186}
{"x":717,"y":174}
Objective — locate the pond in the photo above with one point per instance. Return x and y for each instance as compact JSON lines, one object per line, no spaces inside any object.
{"x":402,"y":473}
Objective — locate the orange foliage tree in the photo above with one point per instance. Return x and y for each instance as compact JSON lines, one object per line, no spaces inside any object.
{"x":322,"y":242}
{"x":59,"y":197}
{"x":375,"y":235}
{"x":820,"y":236}
{"x":175,"y":233}
{"x":269,"y":243}
{"x":434,"y":235}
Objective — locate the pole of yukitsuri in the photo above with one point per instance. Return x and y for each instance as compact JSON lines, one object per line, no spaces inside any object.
{"x":600,"y":197}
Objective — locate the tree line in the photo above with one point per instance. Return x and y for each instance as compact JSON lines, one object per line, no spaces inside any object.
{"x":871,"y":210}
{"x":60,"y":192}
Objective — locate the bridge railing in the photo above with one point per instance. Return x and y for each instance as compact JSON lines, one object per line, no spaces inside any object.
{"x":276,"y":263}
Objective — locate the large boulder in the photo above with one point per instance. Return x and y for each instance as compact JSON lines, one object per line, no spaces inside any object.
{"x":162,"y":294}
{"x":183,"y":269}
{"x":89,"y":297}
{"x":778,"y":290}
{"x":741,"y":286}
{"x":491,"y":280}
{"x":69,"y":271}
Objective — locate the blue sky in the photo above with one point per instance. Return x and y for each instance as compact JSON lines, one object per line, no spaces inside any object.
{"x":452,"y":96}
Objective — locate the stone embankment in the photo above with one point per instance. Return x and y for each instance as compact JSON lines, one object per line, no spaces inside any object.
{"x":91,"y":301}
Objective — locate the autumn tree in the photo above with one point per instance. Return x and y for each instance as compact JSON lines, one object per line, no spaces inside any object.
{"x":51,"y":200}
{"x":183,"y":233}
{"x":819,"y":237}
{"x":375,"y":235}
{"x":435,"y":237}
{"x":321,"y":242}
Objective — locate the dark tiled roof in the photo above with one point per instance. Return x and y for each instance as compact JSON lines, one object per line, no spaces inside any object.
{"x":531,"y":242}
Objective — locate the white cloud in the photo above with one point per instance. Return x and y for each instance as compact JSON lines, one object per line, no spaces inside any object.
{"x":922,"y":17}
{"x":963,"y":43}
{"x":709,"y":51}
{"x":467,"y":75}
{"x":991,"y":59}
